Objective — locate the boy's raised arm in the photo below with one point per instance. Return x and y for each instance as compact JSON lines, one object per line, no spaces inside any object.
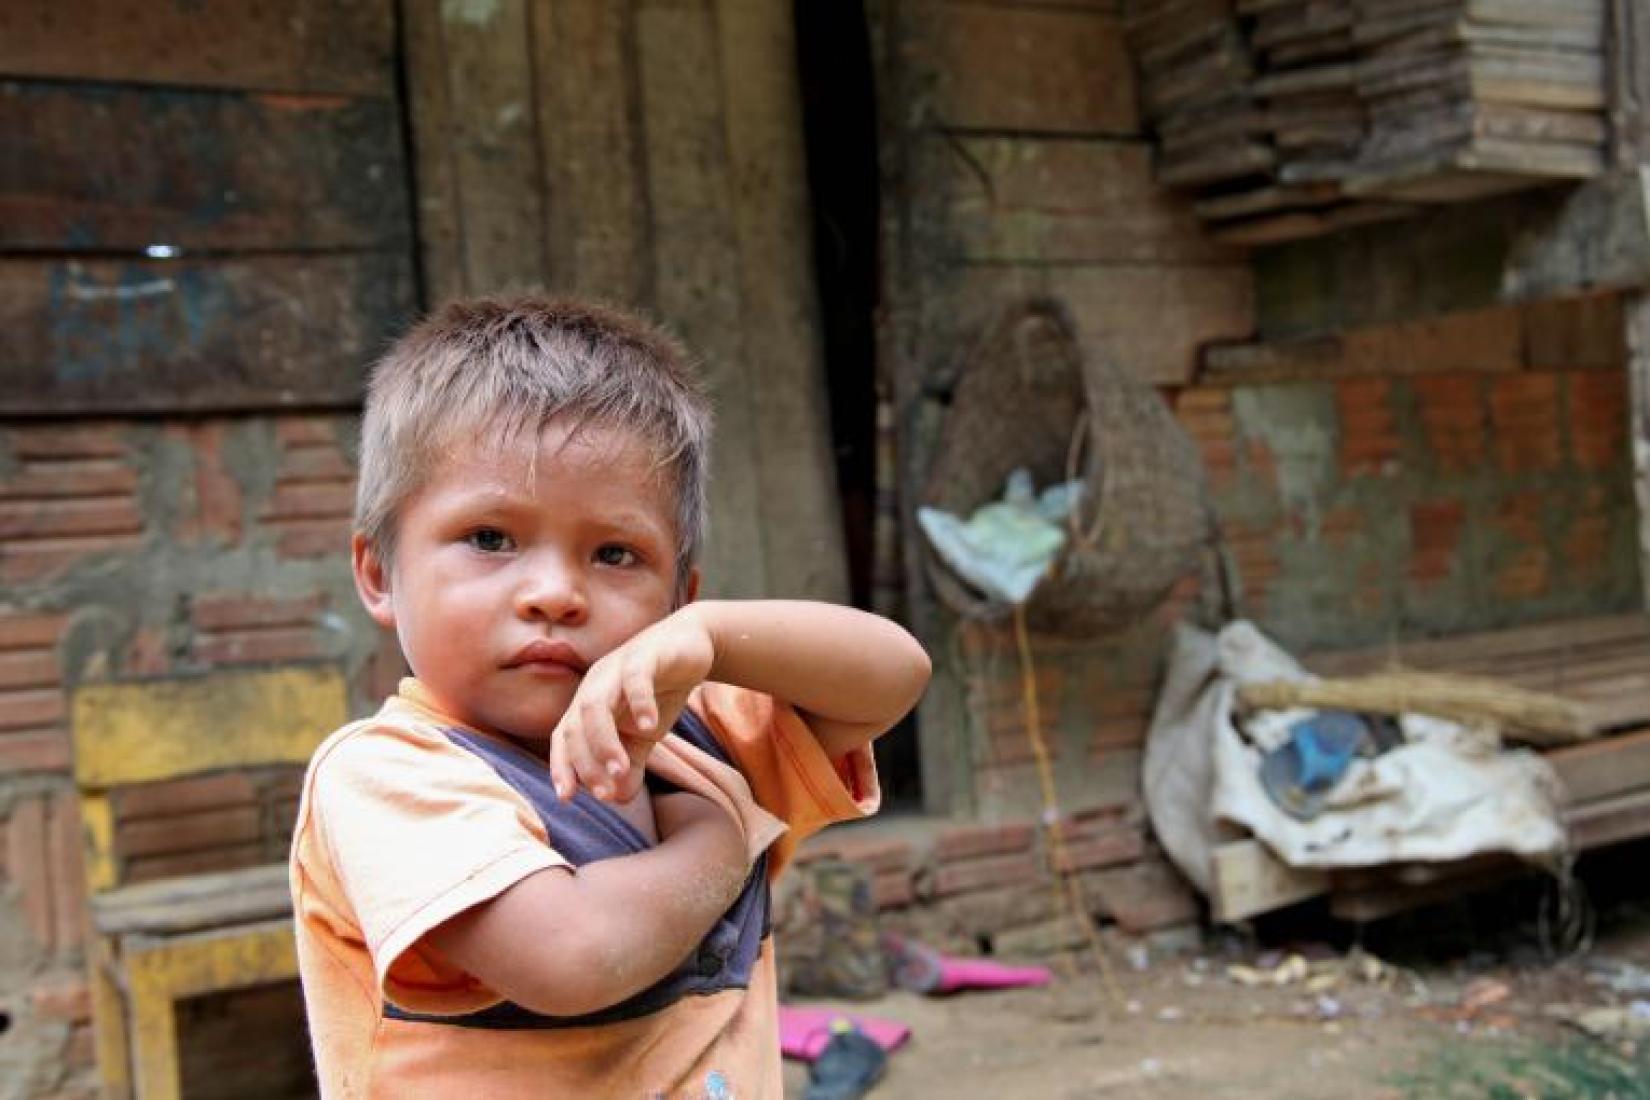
{"x":850,"y":674}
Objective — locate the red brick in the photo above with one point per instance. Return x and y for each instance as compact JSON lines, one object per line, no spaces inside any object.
{"x":73,"y":478}
{"x":66,"y":441}
{"x":307,"y":500}
{"x":75,"y":516}
{"x":26,"y":630}
{"x":976,"y":874}
{"x":983,"y":840}
{"x":43,"y":559}
{"x":1454,"y":420}
{"x":318,"y":463}
{"x":1586,"y":545}
{"x":25,"y":710}
{"x":1119,"y":844}
{"x":28,"y":669}
{"x":219,"y":500}
{"x":1369,"y":435}
{"x":311,"y":538}
{"x":27,"y":865}
{"x":34,"y":751}
{"x":1435,"y":529}
{"x":67,"y":870}
{"x":1524,"y":410}
{"x":1524,"y":577}
{"x":877,"y":854}
{"x":306,"y":431}
{"x":259,"y":646}
{"x":893,"y":890}
{"x":148,"y":654}
{"x":1340,"y":526}
{"x":1143,"y":896}
{"x":1598,"y":419}
{"x":184,"y":832}
{"x":218,"y":611}
{"x":199,"y":862}
{"x":62,"y":998}
{"x":986,"y":912}
{"x":80,"y":1052}
{"x":177,"y":796}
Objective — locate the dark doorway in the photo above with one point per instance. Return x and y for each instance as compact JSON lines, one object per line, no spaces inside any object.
{"x":840,"y":130}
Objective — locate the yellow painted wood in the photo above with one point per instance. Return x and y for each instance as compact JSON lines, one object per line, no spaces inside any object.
{"x":154,"y":1038}
{"x":147,"y":730}
{"x":108,"y":1022}
{"x":97,"y":824}
{"x":205,"y":962}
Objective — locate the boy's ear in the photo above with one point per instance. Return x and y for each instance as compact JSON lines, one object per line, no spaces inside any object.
{"x":372,"y":581}
{"x":690,"y":587}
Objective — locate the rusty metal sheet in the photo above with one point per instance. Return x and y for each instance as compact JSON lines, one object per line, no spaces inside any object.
{"x":256,"y":332}
{"x":102,"y":167}
{"x":296,"y":45}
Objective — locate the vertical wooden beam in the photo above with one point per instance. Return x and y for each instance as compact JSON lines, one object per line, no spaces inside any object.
{"x":480,"y":200}
{"x":696,"y":266}
{"x":1636,"y":313}
{"x":783,"y":349}
{"x":593,"y":165}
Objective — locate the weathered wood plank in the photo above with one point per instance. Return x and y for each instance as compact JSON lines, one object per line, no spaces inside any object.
{"x":481,"y":202}
{"x":591,"y":149}
{"x":1061,"y":199}
{"x":1249,"y":880}
{"x":1591,"y":238}
{"x":150,"y":336}
{"x":1032,"y":71}
{"x":784,"y":356}
{"x":1604,"y":768}
{"x":1151,"y":319}
{"x":696,"y":264}
{"x":344,"y":46}
{"x":100,"y":167}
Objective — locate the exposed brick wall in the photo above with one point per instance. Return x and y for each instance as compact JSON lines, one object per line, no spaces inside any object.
{"x":153,"y":548}
{"x":1433,"y":500}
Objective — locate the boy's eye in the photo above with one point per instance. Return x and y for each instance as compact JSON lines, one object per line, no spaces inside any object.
{"x":613,"y":554}
{"x":489,"y":540}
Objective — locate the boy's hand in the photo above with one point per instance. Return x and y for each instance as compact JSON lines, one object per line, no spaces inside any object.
{"x":627,"y":701}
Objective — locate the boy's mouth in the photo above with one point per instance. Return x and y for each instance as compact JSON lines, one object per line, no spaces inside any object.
{"x":545,"y":652}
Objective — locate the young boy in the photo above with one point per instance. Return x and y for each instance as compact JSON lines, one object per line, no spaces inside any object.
{"x":542,"y":868}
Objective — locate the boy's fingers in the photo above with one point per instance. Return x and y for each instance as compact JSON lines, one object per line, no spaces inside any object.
{"x":598,"y":756}
{"x":628,"y":785}
{"x":638,"y":696}
{"x":561,"y":769}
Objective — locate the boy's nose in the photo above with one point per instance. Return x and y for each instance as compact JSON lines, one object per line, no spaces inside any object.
{"x":551,"y":592}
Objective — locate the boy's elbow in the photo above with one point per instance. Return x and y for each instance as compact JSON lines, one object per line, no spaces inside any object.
{"x":917,"y":668}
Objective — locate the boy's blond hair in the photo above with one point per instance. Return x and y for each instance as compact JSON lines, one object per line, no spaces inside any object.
{"x":491,"y":367}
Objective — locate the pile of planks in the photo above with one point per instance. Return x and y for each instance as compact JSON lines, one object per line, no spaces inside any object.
{"x":1471,"y":97}
{"x":1290,"y":118}
{"x":1602,"y":663}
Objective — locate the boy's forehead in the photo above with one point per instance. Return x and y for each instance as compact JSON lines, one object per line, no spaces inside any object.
{"x":519,"y":458}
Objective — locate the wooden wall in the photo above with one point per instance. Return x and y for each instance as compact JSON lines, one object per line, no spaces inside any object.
{"x":1015,"y":164}
{"x":648,"y":152}
{"x":206,"y":235}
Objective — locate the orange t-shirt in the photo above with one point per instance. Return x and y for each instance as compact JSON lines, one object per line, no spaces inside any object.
{"x":408,"y":819}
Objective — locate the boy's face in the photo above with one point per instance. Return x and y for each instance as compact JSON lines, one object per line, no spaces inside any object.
{"x":517,"y":566}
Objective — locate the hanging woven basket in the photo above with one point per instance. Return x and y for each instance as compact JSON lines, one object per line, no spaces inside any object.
{"x":1027,"y":398}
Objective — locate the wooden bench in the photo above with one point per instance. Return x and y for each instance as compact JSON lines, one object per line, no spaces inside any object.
{"x":151,"y":944}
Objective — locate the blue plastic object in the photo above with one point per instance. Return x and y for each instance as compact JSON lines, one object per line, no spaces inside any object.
{"x":1301,"y":772}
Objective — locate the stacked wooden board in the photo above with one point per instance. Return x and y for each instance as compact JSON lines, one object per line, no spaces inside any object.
{"x":1603,"y":663}
{"x":1289,"y":118}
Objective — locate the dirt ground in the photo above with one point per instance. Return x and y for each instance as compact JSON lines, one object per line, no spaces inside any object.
{"x":1471,"y":1009}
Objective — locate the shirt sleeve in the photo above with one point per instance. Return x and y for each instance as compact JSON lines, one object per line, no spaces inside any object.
{"x":418,"y":831}
{"x":789,"y":772}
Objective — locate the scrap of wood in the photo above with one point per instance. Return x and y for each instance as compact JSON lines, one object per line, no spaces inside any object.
{"x":1249,"y":879}
{"x":1603,"y":768}
{"x":1536,"y":717}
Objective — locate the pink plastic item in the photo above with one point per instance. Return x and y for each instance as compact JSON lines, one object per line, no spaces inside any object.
{"x":921,"y":969}
{"x":804,"y":1031}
